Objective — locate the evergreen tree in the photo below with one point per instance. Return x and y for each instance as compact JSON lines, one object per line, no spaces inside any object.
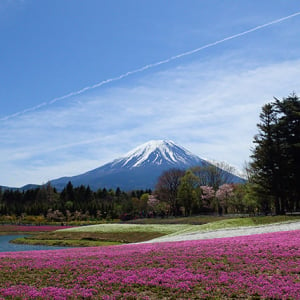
{"x":289,"y":133}
{"x":276,"y":155}
{"x":265,"y":158}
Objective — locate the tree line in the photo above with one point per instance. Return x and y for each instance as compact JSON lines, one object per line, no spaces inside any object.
{"x":206,"y":189}
{"x":72,"y":203}
{"x":203,"y":189}
{"x":272,"y":185}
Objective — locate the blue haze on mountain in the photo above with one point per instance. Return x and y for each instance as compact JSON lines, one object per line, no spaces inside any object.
{"x":138,"y":169}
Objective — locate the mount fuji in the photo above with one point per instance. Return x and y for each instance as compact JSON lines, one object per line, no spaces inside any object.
{"x":138,"y":169}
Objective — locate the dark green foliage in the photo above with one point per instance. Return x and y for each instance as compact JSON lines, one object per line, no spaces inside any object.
{"x":189,"y":193}
{"x":276,"y":156}
{"x":79,"y":203}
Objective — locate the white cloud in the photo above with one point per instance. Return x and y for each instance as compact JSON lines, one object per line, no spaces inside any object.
{"x":209,"y":108}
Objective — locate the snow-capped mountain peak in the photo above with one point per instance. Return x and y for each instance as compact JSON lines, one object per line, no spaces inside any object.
{"x":157,"y":152}
{"x":138,"y":169}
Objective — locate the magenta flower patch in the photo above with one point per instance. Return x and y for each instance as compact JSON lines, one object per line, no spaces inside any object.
{"x":265,"y":266}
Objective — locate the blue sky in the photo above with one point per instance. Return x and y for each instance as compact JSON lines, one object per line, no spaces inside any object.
{"x":125,"y":59}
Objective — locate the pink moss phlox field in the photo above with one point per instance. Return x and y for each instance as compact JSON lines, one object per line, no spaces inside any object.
{"x":31,"y":228}
{"x":265,"y":266}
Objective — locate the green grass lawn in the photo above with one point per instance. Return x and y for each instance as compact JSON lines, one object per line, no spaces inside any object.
{"x":129,"y":228}
{"x":108,"y":234}
{"x":64,"y":242}
{"x":239,"y":222}
{"x":86,"y":238}
{"x":249,"y":221}
{"x":193,"y":220}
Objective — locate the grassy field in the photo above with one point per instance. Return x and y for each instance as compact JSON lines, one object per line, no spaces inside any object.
{"x":61,"y":241}
{"x":101,"y":235}
{"x":88,"y":239}
{"x":113,"y":234}
{"x":194,"y":220}
{"x":250,"y":221}
{"x":129,"y":228}
{"x":238,"y":222}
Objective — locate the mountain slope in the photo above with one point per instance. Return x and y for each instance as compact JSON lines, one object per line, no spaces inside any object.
{"x":138,"y":169}
{"x":158,"y":153}
{"x":23,"y":188}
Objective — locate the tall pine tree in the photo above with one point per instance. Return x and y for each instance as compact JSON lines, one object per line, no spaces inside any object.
{"x":276,"y":155}
{"x":288,"y":111}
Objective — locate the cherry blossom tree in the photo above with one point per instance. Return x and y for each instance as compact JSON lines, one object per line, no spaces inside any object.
{"x":208,"y":194}
{"x":223,"y":194}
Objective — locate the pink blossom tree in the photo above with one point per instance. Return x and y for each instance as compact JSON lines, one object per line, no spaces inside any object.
{"x":156,"y":207}
{"x":207,"y":196}
{"x":223,"y":194}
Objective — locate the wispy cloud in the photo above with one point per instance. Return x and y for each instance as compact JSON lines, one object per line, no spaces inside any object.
{"x":210,"y":108}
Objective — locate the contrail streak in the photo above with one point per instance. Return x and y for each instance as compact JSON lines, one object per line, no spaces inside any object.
{"x":165,"y":61}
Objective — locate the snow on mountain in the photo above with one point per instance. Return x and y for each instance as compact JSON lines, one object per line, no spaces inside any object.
{"x":157,"y":152}
{"x":138,"y":169}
